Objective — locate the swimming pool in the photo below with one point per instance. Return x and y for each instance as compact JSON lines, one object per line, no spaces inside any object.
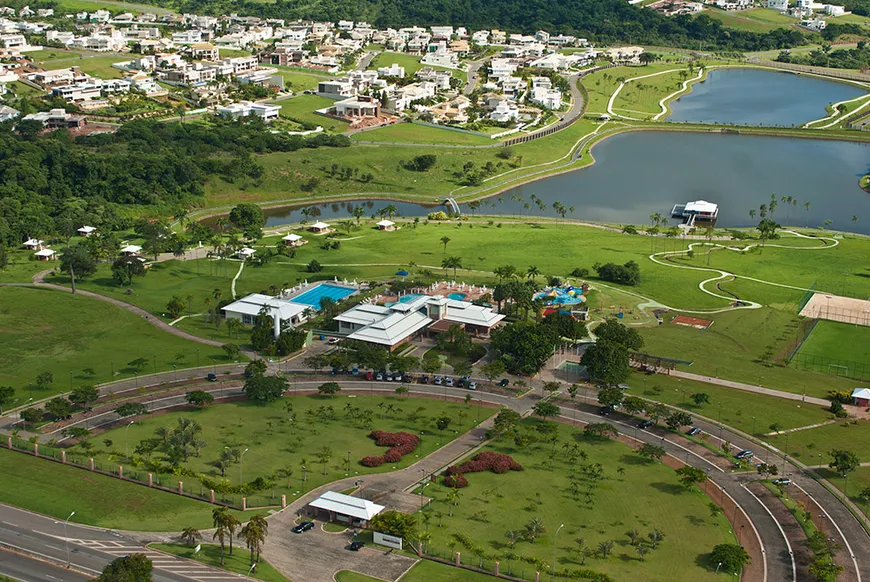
{"x":456,"y":296}
{"x":409,"y":298}
{"x":568,"y":295}
{"x":314,"y":295}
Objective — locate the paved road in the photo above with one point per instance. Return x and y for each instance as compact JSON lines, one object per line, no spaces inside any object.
{"x":19,"y":567}
{"x":90,"y":549}
{"x":473,"y":77}
{"x":366,"y":60}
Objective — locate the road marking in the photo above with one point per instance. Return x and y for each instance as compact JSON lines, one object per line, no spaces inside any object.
{"x":757,"y":535}
{"x":848,"y":547}
{"x":782,"y":531}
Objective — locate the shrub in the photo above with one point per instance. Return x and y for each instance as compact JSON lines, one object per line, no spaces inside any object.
{"x":372,"y":461}
{"x":400,"y":443}
{"x":456,"y":481}
{"x":486,"y":461}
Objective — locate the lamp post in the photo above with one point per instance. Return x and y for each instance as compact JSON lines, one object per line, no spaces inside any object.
{"x":753,"y":426}
{"x":126,"y":448}
{"x":555,"y":536}
{"x":240,"y":466}
{"x":348,"y":461}
{"x":23,"y":421}
{"x":66,"y":538}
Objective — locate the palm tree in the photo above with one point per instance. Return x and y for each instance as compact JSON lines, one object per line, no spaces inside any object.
{"x":854,"y":219}
{"x":390,"y":210}
{"x":232,"y":524}
{"x":534,"y":528}
{"x":254,"y":534}
{"x":752,"y":214}
{"x":512,"y":538}
{"x":532,"y":272}
{"x":604,"y":548}
{"x":452,"y":499}
{"x":452,"y":263}
{"x":633,"y":535}
{"x":358,"y":213}
{"x":189,"y":535}
{"x":444,"y":241}
{"x":641,"y":550}
{"x":807,"y":207}
{"x":219,"y":521}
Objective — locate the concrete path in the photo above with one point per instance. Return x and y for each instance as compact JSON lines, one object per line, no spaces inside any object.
{"x":751,"y":388}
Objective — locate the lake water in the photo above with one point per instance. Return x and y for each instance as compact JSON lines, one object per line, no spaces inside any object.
{"x":640,"y":173}
{"x":755,"y":97}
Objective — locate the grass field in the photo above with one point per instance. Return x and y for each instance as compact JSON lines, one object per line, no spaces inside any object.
{"x":746,"y":411}
{"x":303,"y":108}
{"x":239,"y":562}
{"x":423,"y":571}
{"x":64,"y":6}
{"x":277,"y":444}
{"x":56,"y":490}
{"x":98,"y":66}
{"x":414,"y":133}
{"x":226,"y":53}
{"x":299,"y":81}
{"x":43,"y":330}
{"x":807,"y":445}
{"x":601,"y":84}
{"x":411,"y":63}
{"x":839,"y":341}
{"x":644,"y":496}
{"x":754,"y":20}
{"x":640,"y":99}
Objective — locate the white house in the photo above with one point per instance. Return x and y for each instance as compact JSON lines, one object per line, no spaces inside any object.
{"x":7,"y":113}
{"x":245,"y":253}
{"x":441,"y":58}
{"x":780,"y":5}
{"x":294,"y":240}
{"x":337,"y":89}
{"x":87,"y":230}
{"x":499,"y":68}
{"x":248,"y":308}
{"x":33,"y":244}
{"x":546,"y":97}
{"x":264,"y":111}
{"x":45,"y":255}
{"x":130,"y":250}
{"x":814,"y":25}
{"x":393,"y":70}
{"x":320,"y":228}
{"x":505,"y":112}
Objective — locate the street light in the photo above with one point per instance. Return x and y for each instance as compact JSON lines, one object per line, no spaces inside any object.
{"x":126,"y":449}
{"x":66,"y":537}
{"x":556,"y":535}
{"x":240,"y":466}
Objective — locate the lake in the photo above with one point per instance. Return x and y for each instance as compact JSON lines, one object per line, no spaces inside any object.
{"x":756,"y":97}
{"x":640,"y":173}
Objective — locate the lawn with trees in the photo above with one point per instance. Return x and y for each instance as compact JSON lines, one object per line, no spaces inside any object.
{"x":610,"y":499}
{"x":278,"y":447}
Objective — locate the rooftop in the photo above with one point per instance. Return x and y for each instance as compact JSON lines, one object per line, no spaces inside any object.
{"x":347,"y":505}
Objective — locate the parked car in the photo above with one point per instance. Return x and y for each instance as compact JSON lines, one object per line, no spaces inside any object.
{"x":303,"y":527}
{"x":370,"y":375}
{"x":645,"y":424}
{"x":211,"y":377}
{"x":379,"y":377}
{"x":694,"y":431}
{"x":782,"y":481}
{"x":606,"y":411}
{"x":333,"y":340}
{"x":408,"y":378}
{"x":424,"y":379}
{"x":355,"y":546}
{"x":397,"y":377}
{"x":439,"y":380}
{"x":472,"y":385}
{"x":388,"y":376}
{"x":449,"y":381}
{"x":503,"y":382}
{"x":624,"y":387}
{"x":744,"y":454}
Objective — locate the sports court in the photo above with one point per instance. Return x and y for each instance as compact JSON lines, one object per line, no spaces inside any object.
{"x":837,"y":308}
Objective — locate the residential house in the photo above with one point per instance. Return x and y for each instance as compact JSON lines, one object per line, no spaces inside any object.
{"x":7,"y":113}
{"x":501,"y":68}
{"x":441,"y":32}
{"x":441,"y":79}
{"x":265,"y":111}
{"x":861,"y":397}
{"x":336,"y":89}
{"x":393,"y":70}
{"x":58,"y":118}
{"x":441,"y":58}
{"x":204,"y":51}
{"x":504,"y":112}
{"x":453,"y":111}
{"x":248,"y":308}
{"x":497,"y":37}
{"x":45,"y":255}
{"x":480,"y":37}
{"x":402,"y":98}
{"x":360,"y":106}
{"x":86,"y":231}
{"x":33,"y":244}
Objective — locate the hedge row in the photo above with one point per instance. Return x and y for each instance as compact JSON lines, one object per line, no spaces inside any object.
{"x":400,"y":443}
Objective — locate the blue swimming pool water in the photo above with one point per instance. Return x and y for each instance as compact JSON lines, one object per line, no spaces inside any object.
{"x":409,"y":298}
{"x":313,"y":296}
{"x":456,"y":296}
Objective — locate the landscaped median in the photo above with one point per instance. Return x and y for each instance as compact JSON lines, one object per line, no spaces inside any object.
{"x":239,"y":562}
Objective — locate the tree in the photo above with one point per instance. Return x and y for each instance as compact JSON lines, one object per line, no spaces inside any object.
{"x":824,"y":569}
{"x":677,"y":420}
{"x":329,"y":389}
{"x":189,"y":535}
{"x":633,"y":404}
{"x":627,"y":274}
{"x":78,"y":262}
{"x":610,"y":396}
{"x":441,"y":423}
{"x":83,"y":395}
{"x":199,"y":398}
{"x":604,"y":548}
{"x":444,"y":241}
{"x":607,"y":361}
{"x":767,"y":228}
{"x":131,"y":409}
{"x":600,"y":431}
{"x":545,"y":409}
{"x":58,"y":408}
{"x":566,"y":325}
{"x":524,"y":347}
{"x":462,"y":368}
{"x":132,"y":568}
{"x":729,"y":557}
{"x":247,"y":217}
{"x":844,"y":462}
{"x":700,"y":398}
{"x":493,"y":370}
{"x":314,"y":266}
{"x":396,"y":523}
{"x":265,"y":388}
{"x":7,"y":394}
{"x":512,"y":538}
{"x":689,"y":475}
{"x":255,"y":368}
{"x":651,"y":452}
{"x":220,"y":523}
{"x":32,"y":415}
{"x":254,"y":534}
{"x":534,"y":528}
{"x":612,"y":330}
{"x":125,"y":268}
{"x":175,"y":306}
{"x":633,"y":535}
{"x":44,"y":380}
{"x":232,"y":351}
{"x":451,"y":263}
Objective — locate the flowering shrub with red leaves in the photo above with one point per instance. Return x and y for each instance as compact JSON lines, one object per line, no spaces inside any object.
{"x":400,"y":443}
{"x":457,"y":481}
{"x":486,"y":461}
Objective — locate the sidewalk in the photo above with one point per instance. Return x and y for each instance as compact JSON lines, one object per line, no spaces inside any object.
{"x":751,"y":388}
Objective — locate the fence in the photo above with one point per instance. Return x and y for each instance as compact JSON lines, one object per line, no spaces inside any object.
{"x":837,"y":74}
{"x":187,"y":486}
{"x":516,"y":570}
{"x":845,"y":368}
{"x":805,"y":328}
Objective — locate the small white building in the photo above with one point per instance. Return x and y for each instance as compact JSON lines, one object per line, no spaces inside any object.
{"x":505,"y":112}
{"x":45,"y":255}
{"x":320,"y":228}
{"x":33,"y":244}
{"x":354,"y":511}
{"x":294,"y":240}
{"x":393,"y":70}
{"x":386,"y":225}
{"x":248,"y":308}
{"x":265,"y":111}
{"x":87,"y":230}
{"x":130,"y":250}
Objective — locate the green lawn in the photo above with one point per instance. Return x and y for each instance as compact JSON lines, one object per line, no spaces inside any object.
{"x":640,"y":99}
{"x":748,"y":20}
{"x":299,"y":81}
{"x":411,"y":63}
{"x":64,"y":6}
{"x":646,"y":496}
{"x":239,"y":562}
{"x":56,"y":490}
{"x":275,"y":443}
{"x":840,"y":341}
{"x":807,"y":445}
{"x":743,"y":410}
{"x":225,"y":53}
{"x":601,"y":84}
{"x":415,"y":133}
{"x":98,"y":66}
{"x":423,"y":571}
{"x":303,"y":107}
{"x":44,"y":330}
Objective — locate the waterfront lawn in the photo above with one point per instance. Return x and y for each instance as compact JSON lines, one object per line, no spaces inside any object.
{"x":642,"y":97}
{"x":239,"y":562}
{"x":303,"y":107}
{"x":645,"y":496}
{"x":745,"y":411}
{"x":733,"y":348}
{"x":839,"y":341}
{"x":277,"y":445}
{"x":600,"y":85}
{"x":98,"y":66}
{"x":43,"y":330}
{"x":53,"y":489}
{"x":415,"y":133}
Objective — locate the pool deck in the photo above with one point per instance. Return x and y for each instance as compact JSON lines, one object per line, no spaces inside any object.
{"x":300,"y":290}
{"x":444,"y":288}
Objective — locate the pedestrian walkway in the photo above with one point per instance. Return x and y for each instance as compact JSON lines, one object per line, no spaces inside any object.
{"x":751,"y":388}
{"x":800,"y":428}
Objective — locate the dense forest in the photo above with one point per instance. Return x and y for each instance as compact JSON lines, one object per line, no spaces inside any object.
{"x":604,"y":21}
{"x":51,"y":184}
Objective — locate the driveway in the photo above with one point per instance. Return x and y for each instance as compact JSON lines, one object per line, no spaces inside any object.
{"x":316,"y":555}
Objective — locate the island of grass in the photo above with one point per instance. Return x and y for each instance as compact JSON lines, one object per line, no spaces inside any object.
{"x":601,"y":491}
{"x":864,"y":182}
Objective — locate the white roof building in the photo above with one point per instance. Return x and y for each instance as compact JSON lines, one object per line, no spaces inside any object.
{"x":87,"y":230}
{"x":131,"y":250}
{"x":33,"y":243}
{"x":345,"y":505}
{"x":45,"y":254}
{"x":245,"y":253}
{"x":247,"y":308}
{"x":292,"y":238}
